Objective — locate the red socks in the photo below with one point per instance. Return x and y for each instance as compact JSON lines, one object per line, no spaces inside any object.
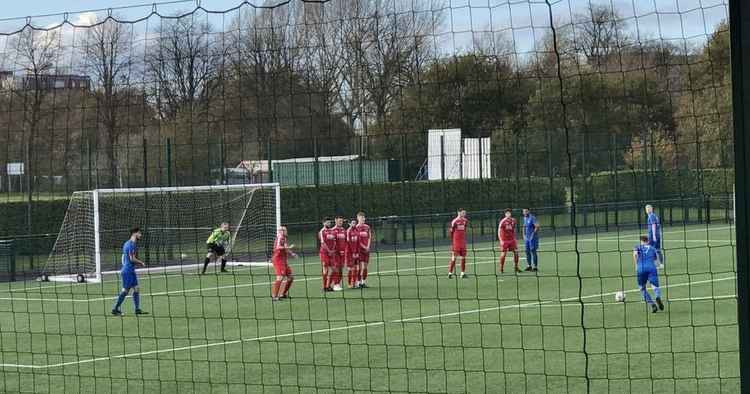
{"x":324,"y":276}
{"x":275,"y":288}
{"x":288,"y":285}
{"x":452,"y":266}
{"x":364,"y":273}
{"x":463,"y":265}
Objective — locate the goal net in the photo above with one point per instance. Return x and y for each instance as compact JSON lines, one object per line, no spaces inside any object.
{"x":176,"y":221}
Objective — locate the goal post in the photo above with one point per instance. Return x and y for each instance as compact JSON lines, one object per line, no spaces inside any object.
{"x":176,"y":221}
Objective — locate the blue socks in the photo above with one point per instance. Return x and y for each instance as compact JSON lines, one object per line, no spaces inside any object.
{"x":646,"y":296}
{"x":137,"y":300}
{"x":535,"y":258}
{"x":657,"y":292}
{"x":120,"y":299}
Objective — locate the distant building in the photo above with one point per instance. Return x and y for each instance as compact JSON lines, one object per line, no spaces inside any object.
{"x":10,"y":81}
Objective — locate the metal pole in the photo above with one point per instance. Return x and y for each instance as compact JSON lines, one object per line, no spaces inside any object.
{"x":169,"y":162}
{"x":739,"y":15}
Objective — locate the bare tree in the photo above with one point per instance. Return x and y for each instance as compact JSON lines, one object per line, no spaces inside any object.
{"x":600,"y":33}
{"x":36,"y":52}
{"x":183,"y":64}
{"x":107,"y":54}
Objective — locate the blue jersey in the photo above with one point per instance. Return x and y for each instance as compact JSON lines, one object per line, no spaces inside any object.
{"x":128,"y":248}
{"x":646,"y":258}
{"x":653,"y":221}
{"x":529,"y":224}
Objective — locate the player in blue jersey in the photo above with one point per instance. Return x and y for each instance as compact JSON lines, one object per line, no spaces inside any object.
{"x":531,"y":240}
{"x":654,"y":234}
{"x":129,"y":278}
{"x":644,"y":256}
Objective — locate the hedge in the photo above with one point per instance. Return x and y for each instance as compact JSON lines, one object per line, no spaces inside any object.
{"x":662,"y":185}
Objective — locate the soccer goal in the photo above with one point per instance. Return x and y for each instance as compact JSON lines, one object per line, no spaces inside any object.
{"x":175,"y":222}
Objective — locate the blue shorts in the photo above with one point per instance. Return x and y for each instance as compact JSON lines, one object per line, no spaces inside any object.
{"x":650,"y":276}
{"x":129,"y":279}
{"x":532,"y":244}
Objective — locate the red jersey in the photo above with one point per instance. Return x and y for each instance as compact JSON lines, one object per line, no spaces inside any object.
{"x":341,"y":241}
{"x":507,"y":229}
{"x":352,"y":236}
{"x":327,"y":237}
{"x":363,"y":233}
{"x":280,"y":251}
{"x":458,"y":231}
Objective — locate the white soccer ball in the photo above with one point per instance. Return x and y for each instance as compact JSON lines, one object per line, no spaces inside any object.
{"x":620,"y":296}
{"x":184,"y":256}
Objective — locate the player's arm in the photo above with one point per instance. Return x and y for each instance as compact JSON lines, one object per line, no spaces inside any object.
{"x":369,"y":240}
{"x":635,"y":258}
{"x":653,"y":230}
{"x":323,"y":243}
{"x":135,"y":259}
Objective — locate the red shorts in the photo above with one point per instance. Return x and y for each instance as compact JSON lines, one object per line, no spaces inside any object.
{"x":459,"y":250}
{"x":364,"y":257}
{"x":339,"y":259}
{"x":351,"y":259}
{"x":511,"y":245}
{"x":282,"y":268}
{"x":325,"y":259}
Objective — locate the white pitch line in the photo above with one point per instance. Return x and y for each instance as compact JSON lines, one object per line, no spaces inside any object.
{"x":202,"y":289}
{"x":324,"y":330}
{"x":433,"y":254}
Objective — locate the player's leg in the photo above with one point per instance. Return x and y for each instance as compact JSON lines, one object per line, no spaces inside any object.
{"x":529,"y":256}
{"x":120,"y":299}
{"x":288,"y":282}
{"x":363,"y":271}
{"x":659,"y":254}
{"x":210,"y":256}
{"x":276,"y":287}
{"x":515,"y":257}
{"x":462,"y":253}
{"x":221,"y":253}
{"x":502,"y":259}
{"x":642,"y":278}
{"x":534,"y":254}
{"x":137,"y":299}
{"x":653,"y":278}
{"x":452,"y":264}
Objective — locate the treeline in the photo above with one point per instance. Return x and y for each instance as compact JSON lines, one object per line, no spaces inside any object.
{"x":361,"y":77}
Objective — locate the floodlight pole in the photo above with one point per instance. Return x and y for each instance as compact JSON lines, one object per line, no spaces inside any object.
{"x":739,"y":15}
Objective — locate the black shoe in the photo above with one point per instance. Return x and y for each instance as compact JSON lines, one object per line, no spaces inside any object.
{"x":285,"y":297}
{"x":116,"y":312}
{"x":654,"y":308}
{"x":528,"y":269}
{"x":140,"y":312}
{"x":658,"y":302}
{"x":274,"y":299}
{"x":450,"y":275}
{"x":327,"y":289}
{"x":224,"y":270}
{"x":535,"y":269}
{"x":363,"y":286}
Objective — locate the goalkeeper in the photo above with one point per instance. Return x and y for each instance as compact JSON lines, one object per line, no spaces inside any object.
{"x":217,"y":243}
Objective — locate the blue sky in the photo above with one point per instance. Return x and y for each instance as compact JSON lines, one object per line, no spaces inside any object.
{"x":523,"y":21}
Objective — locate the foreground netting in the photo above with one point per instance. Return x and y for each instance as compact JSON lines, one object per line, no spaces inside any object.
{"x":176,"y":222}
{"x":584,"y":111}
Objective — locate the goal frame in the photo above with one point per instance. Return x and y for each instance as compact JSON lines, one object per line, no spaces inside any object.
{"x":97,"y":193}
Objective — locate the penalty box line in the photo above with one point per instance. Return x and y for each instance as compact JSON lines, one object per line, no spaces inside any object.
{"x":234,"y":286}
{"x":340,"y":328}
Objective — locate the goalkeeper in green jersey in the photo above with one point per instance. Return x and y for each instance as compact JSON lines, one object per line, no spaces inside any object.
{"x":216,"y":243}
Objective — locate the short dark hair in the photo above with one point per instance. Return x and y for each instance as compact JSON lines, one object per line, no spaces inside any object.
{"x":461,"y":209}
{"x":644,"y":238}
{"x":360,"y":213}
{"x":339,"y":216}
{"x":327,"y":219}
{"x":508,"y":210}
{"x":135,"y":230}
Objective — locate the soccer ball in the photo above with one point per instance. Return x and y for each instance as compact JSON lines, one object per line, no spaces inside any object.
{"x":620,"y":296}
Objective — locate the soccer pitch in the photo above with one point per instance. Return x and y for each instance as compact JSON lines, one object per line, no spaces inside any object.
{"x":413,"y":330}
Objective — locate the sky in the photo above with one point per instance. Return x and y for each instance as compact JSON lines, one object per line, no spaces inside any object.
{"x":524,"y":22}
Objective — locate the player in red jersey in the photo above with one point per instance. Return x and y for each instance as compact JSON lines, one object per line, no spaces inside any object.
{"x":284,"y":275}
{"x":506,"y":233}
{"x":327,"y":239}
{"x":339,"y":257}
{"x":352,"y":254}
{"x":365,"y":235}
{"x":458,"y":236}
